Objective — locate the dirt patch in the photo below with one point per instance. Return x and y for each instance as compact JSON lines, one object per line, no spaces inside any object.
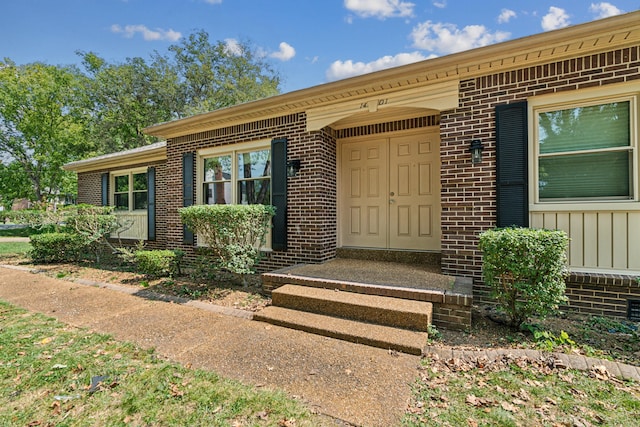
{"x":591,"y":336}
{"x":221,"y":289}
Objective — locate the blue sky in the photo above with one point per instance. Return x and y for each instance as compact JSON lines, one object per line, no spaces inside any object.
{"x":308,"y":41}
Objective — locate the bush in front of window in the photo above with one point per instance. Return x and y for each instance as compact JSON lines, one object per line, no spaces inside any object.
{"x":234,"y":233}
{"x":158,"y":263}
{"x":56,"y":247}
{"x":94,"y":224}
{"x":526,"y":270}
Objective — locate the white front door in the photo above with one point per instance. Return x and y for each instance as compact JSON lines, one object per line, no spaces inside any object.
{"x":390,"y":192}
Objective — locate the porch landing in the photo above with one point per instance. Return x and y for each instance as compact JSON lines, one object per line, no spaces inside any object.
{"x":452,"y":297}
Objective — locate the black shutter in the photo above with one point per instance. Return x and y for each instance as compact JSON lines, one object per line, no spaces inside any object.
{"x":187,"y":192}
{"x":279,"y":193}
{"x":105,"y":189}
{"x":512,"y":196}
{"x":151,"y":203}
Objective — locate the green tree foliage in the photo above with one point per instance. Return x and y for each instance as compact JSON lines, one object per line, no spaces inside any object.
{"x":526,"y":269}
{"x":195,"y":76}
{"x":41,"y":128}
{"x":52,"y":115}
{"x":220,"y":74}
{"x":125,"y":98}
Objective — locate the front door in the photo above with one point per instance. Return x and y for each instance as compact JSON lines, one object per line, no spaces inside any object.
{"x":390,"y":192}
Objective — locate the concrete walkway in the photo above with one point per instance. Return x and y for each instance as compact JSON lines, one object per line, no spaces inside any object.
{"x":359,"y":384}
{"x":13,"y":239}
{"x":350,"y":382}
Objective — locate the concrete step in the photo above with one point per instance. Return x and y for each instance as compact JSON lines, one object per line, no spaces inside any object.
{"x":411,"y":342}
{"x":387,"y":311}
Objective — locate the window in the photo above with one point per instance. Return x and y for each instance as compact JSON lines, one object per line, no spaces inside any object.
{"x":237,"y":177}
{"x":585,"y":150}
{"x":130,"y":191}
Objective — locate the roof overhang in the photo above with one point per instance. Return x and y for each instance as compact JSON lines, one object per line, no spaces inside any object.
{"x":146,"y":154}
{"x":579,"y":40}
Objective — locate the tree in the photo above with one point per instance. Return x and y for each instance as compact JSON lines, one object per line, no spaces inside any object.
{"x":125,"y":98}
{"x":41,"y":128}
{"x":195,"y":76}
{"x":221,"y":74}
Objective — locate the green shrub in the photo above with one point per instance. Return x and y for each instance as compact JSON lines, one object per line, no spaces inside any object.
{"x":525,"y":269}
{"x":159,"y":263}
{"x":95,"y":224}
{"x":234,"y":233}
{"x":56,"y":247}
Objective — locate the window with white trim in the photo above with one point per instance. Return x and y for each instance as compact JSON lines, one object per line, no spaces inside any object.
{"x":129,"y":191}
{"x":586,"y":150}
{"x":241,"y":176}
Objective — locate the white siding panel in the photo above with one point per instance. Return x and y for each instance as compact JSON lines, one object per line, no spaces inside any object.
{"x":576,"y":244}
{"x":605,"y":244}
{"x":603,"y":240}
{"x":134,"y":226}
{"x":620,"y":240}
{"x":634,"y":240}
{"x":590,"y":239}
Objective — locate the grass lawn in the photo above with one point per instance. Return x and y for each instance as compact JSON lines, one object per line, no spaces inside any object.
{"x":11,"y":248}
{"x":47,"y":370}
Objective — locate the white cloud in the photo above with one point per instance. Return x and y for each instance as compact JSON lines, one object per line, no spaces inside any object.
{"x":447,"y":38}
{"x":233,"y":47}
{"x":604,"y":10}
{"x":440,"y":4}
{"x":285,"y":53}
{"x":506,"y":15}
{"x":343,"y":69}
{"x":380,"y":8}
{"x":213,"y":1}
{"x":150,"y":35}
{"x":556,"y":18}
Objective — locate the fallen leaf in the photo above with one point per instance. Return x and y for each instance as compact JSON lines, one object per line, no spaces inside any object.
{"x":523,"y":394}
{"x":472,"y":423}
{"x":175,"y":391}
{"x":263,"y":415}
{"x":508,"y":407}
{"x":56,"y":407}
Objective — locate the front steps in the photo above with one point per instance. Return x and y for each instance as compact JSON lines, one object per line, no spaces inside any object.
{"x":379,"y":321}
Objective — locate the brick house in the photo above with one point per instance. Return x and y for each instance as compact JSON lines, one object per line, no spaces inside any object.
{"x":384,"y":161}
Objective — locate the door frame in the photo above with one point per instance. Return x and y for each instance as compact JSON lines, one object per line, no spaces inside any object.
{"x":339,"y":183}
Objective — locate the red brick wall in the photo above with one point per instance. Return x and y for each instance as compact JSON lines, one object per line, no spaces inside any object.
{"x":90,"y":188}
{"x":468,"y":191}
{"x":311,"y":194}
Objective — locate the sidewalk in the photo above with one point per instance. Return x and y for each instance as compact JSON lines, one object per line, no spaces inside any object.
{"x":355,"y":383}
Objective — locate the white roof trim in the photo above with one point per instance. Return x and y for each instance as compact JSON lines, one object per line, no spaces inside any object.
{"x":151,"y":152}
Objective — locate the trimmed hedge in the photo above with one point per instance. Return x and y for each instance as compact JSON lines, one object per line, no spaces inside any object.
{"x":159,"y":263}
{"x":234,"y":233}
{"x":56,"y":247}
{"x":526,"y":269}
